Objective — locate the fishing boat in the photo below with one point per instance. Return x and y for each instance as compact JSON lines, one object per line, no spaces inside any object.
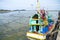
{"x":42,"y":28}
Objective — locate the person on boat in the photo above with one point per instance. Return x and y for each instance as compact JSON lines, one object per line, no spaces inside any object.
{"x":44,"y":21}
{"x":37,"y":16}
{"x":43,"y":16}
{"x":32,"y":22}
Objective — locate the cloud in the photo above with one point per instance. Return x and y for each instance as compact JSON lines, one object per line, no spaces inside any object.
{"x":29,"y":4}
{"x":51,"y":5}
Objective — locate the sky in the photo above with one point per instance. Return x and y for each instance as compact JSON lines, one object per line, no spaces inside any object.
{"x":29,"y":4}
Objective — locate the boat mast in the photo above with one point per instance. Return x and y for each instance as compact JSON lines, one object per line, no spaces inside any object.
{"x":38,"y":6}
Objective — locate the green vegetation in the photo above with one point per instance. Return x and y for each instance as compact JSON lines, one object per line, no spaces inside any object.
{"x":4,"y":11}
